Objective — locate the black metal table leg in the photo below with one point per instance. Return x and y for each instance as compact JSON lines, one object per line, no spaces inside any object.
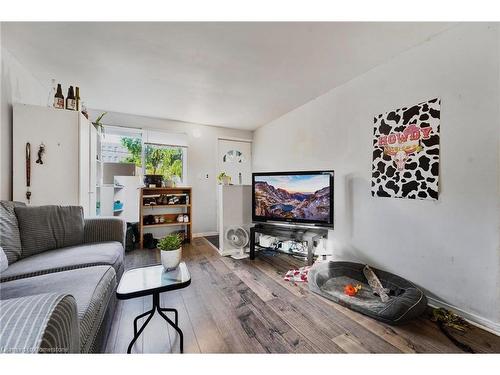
{"x":136,"y":335}
{"x":156,"y":307}
{"x":174,"y":311}
{"x":175,"y":326}
{"x":152,"y":311}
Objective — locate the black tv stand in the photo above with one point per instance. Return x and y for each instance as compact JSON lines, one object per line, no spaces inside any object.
{"x":309,"y":234}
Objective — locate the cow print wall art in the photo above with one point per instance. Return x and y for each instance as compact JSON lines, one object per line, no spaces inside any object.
{"x":406,"y":152}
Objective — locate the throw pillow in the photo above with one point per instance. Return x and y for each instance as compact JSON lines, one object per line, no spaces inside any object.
{"x":45,"y":228}
{"x":10,"y":239}
{"x":4,"y":263}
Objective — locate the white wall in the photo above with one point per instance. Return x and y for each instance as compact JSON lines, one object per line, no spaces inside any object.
{"x":18,"y":86}
{"x":449,"y":247}
{"x":202,"y":154}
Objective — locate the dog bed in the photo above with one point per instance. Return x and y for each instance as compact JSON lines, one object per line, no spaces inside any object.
{"x":406,"y":301}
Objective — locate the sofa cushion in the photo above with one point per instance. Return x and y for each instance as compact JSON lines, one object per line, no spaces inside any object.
{"x":104,"y":253}
{"x":45,"y":228}
{"x":4,"y":263}
{"x":9,"y":230}
{"x":41,"y":323}
{"x":92,"y":287}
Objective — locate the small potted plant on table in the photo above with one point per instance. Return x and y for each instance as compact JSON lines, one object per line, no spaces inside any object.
{"x":171,"y":250}
{"x":224,"y":179}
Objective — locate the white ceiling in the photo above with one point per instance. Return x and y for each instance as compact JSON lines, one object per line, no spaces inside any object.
{"x":239,"y":75}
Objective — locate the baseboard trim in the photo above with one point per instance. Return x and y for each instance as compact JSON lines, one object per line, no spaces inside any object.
{"x":473,"y":319}
{"x":204,"y":234}
{"x":211,"y":245}
{"x":223,"y":253}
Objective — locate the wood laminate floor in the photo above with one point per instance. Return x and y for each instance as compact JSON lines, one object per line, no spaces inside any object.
{"x":245,"y":306}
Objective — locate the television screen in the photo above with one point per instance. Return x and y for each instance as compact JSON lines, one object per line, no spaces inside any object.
{"x":297,"y":197}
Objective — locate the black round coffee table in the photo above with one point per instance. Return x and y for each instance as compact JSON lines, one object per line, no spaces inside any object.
{"x":153,"y":280}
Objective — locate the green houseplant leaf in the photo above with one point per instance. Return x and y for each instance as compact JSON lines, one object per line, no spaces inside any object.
{"x":221,"y":176}
{"x":170,"y":242}
{"x":98,"y":124}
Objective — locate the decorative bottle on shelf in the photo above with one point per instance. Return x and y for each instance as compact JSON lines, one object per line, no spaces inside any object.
{"x":59,"y":98}
{"x":70,"y":99}
{"x":52,"y":94}
{"x":77,"y":98}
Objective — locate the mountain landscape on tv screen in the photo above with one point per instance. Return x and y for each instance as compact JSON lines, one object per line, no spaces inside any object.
{"x":280,"y":203}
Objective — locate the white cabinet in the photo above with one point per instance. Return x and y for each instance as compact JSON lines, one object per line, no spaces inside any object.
{"x":128,"y":194}
{"x":93,"y":161}
{"x":69,"y":160}
{"x":234,"y":209}
{"x":125,"y":189}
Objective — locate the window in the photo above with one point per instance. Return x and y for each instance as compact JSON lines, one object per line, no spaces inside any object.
{"x":164,"y":160}
{"x":233,"y":156}
{"x":115,"y":151}
{"x":122,"y":145}
{"x":154,"y":152}
{"x":133,"y":145}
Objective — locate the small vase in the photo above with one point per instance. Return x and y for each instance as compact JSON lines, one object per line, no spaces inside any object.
{"x":171,"y":259}
{"x":226,"y":180}
{"x":153,"y":180}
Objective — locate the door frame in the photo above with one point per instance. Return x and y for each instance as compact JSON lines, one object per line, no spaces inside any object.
{"x":245,"y":140}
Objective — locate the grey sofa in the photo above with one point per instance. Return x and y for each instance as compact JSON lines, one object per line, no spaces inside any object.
{"x":60,"y":300}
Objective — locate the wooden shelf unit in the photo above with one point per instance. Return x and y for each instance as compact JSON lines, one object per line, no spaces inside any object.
{"x":165,"y":225}
{"x":166,"y":205}
{"x":170,"y":218}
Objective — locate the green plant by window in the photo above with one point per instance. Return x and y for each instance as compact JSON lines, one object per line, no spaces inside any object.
{"x":163,"y":160}
{"x":134,"y":148}
{"x":159,"y":160}
{"x":98,"y":124}
{"x":170,"y":242}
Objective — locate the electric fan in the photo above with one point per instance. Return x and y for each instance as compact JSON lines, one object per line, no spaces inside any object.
{"x":238,"y":237}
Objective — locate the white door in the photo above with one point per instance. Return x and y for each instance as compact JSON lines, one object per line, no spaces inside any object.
{"x":235,"y":159}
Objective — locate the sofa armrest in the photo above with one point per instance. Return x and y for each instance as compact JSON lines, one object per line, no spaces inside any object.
{"x":41,"y":323}
{"x":104,"y":229}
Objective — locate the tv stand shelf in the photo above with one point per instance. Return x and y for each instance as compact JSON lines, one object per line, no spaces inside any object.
{"x":293,"y":233}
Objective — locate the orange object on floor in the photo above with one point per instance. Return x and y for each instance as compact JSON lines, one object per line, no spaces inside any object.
{"x":351,"y":290}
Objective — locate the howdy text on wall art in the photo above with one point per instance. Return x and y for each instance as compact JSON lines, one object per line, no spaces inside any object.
{"x":406,"y":152}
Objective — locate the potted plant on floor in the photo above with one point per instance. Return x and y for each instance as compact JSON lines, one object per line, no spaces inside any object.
{"x":171,"y":251}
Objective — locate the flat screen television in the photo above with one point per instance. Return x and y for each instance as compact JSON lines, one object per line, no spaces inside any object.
{"x":293,"y":197}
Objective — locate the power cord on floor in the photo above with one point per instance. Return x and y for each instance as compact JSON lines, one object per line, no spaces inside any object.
{"x":446,"y":319}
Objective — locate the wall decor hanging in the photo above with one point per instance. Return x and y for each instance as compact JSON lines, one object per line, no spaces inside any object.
{"x":406,"y":152}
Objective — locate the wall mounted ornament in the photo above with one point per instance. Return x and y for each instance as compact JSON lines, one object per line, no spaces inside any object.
{"x":406,"y":152}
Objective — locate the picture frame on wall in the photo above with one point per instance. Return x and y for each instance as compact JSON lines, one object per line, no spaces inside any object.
{"x":406,"y":151}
